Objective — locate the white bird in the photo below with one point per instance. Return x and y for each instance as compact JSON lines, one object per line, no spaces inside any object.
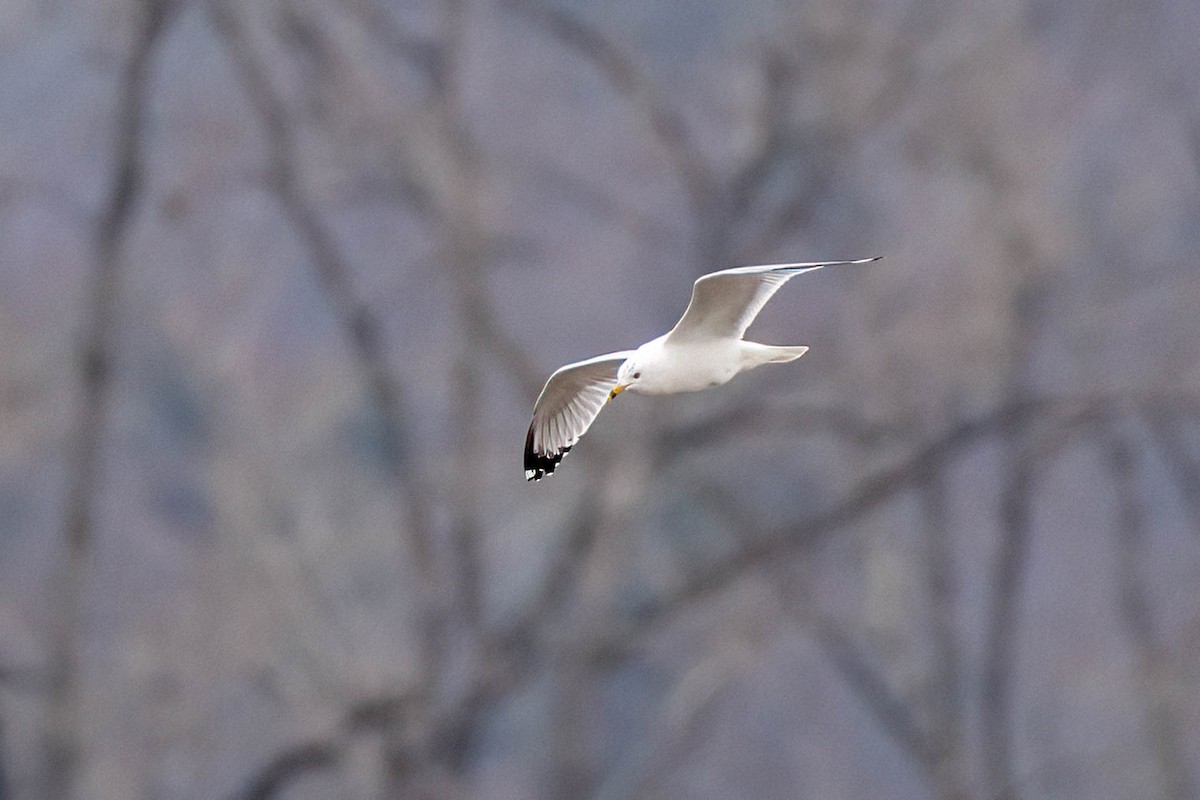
{"x":705,"y":348}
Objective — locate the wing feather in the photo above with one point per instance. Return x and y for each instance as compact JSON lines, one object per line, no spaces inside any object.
{"x":568,"y":405}
{"x":725,"y":303}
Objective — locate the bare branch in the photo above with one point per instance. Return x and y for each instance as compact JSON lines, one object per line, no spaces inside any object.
{"x":316,"y":755}
{"x":5,"y":790}
{"x":1186,"y":468}
{"x":774,"y":139}
{"x":24,"y":678}
{"x":453,"y":203}
{"x":945,"y":680}
{"x":359,"y":324}
{"x":999,"y":659}
{"x":288,"y":766}
{"x":62,"y":726}
{"x":1192,"y":134}
{"x":597,"y":202}
{"x":426,"y":55}
{"x":792,"y":213}
{"x":363,"y":331}
{"x":517,"y":645}
{"x":873,"y":691}
{"x":868,"y":684}
{"x":667,"y":126}
{"x":465,"y":254}
{"x":859,"y":501}
{"x":1154,"y":679}
{"x":898,"y":719}
{"x":999,"y":654}
{"x":754,"y":414}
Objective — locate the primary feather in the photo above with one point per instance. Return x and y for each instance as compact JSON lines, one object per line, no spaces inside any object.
{"x":569,"y":403}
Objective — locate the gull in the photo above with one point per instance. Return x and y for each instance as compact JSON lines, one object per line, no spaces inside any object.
{"x":705,"y":348}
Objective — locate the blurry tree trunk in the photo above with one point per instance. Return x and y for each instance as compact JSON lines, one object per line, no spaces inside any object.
{"x":1023,"y":451}
{"x":457,"y":209}
{"x":1168,"y":438}
{"x":999,"y":661}
{"x":1154,"y":675}
{"x":949,"y":768}
{"x":424,"y":744}
{"x":571,"y":767}
{"x":4,"y":785}
{"x":64,"y":726}
{"x":465,"y":250}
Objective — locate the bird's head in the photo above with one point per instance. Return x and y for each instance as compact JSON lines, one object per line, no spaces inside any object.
{"x":628,"y":376}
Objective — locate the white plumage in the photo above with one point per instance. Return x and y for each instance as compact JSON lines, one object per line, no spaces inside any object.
{"x":705,"y":348}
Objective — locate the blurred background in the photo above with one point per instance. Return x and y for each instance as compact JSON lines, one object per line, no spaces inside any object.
{"x":281,"y":280}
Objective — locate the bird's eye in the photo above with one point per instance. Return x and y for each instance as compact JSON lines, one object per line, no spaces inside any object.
{"x":637,"y":375}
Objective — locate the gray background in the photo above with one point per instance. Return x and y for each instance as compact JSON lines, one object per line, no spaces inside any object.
{"x":279,"y":282}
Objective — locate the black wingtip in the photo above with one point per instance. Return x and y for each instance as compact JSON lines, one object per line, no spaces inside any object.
{"x":539,"y":465}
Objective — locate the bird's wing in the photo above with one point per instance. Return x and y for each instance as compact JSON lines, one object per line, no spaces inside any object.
{"x":569,"y":403}
{"x":725,"y":303}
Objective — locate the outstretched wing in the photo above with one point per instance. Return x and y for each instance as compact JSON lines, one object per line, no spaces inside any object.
{"x":725,"y":303}
{"x":569,"y":403}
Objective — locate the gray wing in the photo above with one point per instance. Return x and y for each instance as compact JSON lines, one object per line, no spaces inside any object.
{"x":569,"y":403}
{"x":725,"y":303}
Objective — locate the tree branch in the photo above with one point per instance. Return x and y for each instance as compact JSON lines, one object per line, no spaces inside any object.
{"x":754,"y":414}
{"x":999,"y":656}
{"x":869,"y":493}
{"x":62,"y":726}
{"x":1154,"y":673}
{"x":288,"y":766}
{"x":5,"y":785}
{"x":367,"y":715}
{"x":948,"y":766}
{"x":1167,"y":438}
{"x":355,"y":318}
{"x":428,"y":56}
{"x":451,"y":201}
{"x":619,"y":69}
{"x":25,"y":678}
{"x":873,"y":691}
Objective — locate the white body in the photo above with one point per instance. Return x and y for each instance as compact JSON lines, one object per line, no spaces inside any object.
{"x":666,"y":367}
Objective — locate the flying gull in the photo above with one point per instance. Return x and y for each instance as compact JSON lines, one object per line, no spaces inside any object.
{"x":705,"y":348}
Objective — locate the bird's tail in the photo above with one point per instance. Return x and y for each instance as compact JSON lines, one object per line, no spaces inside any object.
{"x":780,"y":354}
